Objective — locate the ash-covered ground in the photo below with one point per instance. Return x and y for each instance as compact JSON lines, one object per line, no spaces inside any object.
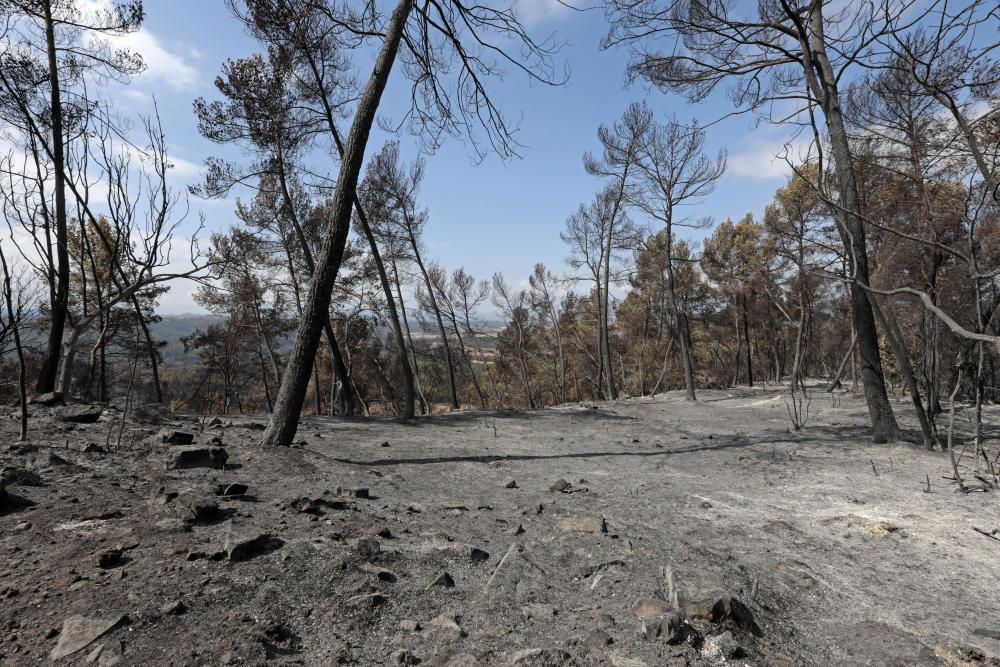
{"x":639,"y":532}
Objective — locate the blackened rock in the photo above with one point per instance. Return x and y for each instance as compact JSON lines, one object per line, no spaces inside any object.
{"x":241,"y":548}
{"x":200,"y":457}
{"x":48,"y":399}
{"x":731,"y":609}
{"x":478,"y":555}
{"x":80,"y":414}
{"x":110,"y":558}
{"x":177,"y":438}
{"x":369,"y":548}
{"x":560,"y":486}
{"x":20,"y":477}
{"x":318,"y":506}
{"x":175,"y":608}
{"x":204,"y":511}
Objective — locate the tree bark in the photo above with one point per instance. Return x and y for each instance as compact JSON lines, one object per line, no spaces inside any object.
{"x":15,"y":324}
{"x":48,"y":372}
{"x":823,"y":80}
{"x":408,"y":370}
{"x":285,"y":418}
{"x":682,"y":339}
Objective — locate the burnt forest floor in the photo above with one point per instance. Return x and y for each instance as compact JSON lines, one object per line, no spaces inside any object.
{"x":646,"y":531}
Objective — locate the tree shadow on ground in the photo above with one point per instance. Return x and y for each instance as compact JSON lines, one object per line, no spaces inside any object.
{"x":844,"y":437}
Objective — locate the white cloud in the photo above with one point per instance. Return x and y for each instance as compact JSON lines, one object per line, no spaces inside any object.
{"x":766,"y":161}
{"x":162,"y":65}
{"x":184,"y":168}
{"x":533,"y":12}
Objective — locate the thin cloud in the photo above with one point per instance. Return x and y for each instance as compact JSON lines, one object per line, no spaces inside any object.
{"x":767,"y":161}
{"x":162,"y":65}
{"x":533,"y":12}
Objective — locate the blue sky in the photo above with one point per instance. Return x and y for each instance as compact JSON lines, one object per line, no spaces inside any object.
{"x":490,"y":216}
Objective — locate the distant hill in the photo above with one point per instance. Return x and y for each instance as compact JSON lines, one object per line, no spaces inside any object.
{"x":174,"y":327}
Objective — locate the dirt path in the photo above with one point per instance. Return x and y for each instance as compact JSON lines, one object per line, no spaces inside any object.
{"x":689,"y":534}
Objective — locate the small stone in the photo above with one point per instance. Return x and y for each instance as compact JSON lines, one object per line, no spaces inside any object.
{"x":367,"y":600}
{"x":605,"y":621}
{"x":538,"y":611}
{"x":560,"y":486}
{"x":163,"y":496}
{"x":172,"y":525}
{"x":726,"y":645}
{"x":177,"y":438}
{"x":598,"y":639}
{"x":443,"y":580}
{"x":368,"y":548}
{"x":510,"y":484}
{"x":175,"y":608}
{"x":478,"y":555}
{"x":583,"y":524}
{"x":379,"y":573}
{"x":203,"y":511}
{"x":409,"y":625}
{"x":447,"y":626}
{"x":663,"y":628}
{"x":78,"y":632}
{"x":200,"y":457}
{"x":242,"y":548}
{"x":403,"y":657}
{"x":110,"y":558}
{"x":516,"y":529}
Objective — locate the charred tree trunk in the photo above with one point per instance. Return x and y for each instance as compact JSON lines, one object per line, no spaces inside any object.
{"x":49,"y":371}
{"x":285,"y":418}
{"x":823,"y":81}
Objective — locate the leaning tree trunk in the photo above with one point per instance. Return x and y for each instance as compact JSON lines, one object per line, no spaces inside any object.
{"x":346,"y":398}
{"x":288,"y":404}
{"x":409,"y":370}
